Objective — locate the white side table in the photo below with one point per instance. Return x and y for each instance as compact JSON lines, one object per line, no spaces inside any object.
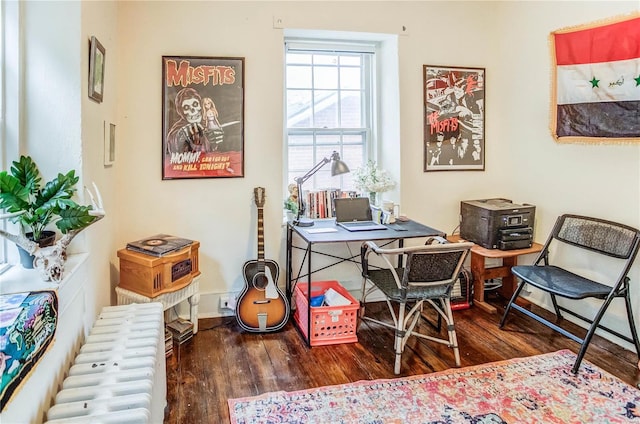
{"x":189,"y":293}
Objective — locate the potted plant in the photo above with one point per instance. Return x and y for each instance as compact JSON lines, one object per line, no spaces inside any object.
{"x":373,"y":180}
{"x":37,"y":205}
{"x":291,"y":202}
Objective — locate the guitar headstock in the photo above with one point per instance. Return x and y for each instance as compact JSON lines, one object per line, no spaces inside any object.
{"x":258,"y":196}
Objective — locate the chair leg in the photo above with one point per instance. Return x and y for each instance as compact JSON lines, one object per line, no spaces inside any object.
{"x":590,"y":333}
{"x":555,"y":306}
{"x":399,"y":337}
{"x":363,"y":297}
{"x":451,"y":329}
{"x":513,"y":299}
{"x":632,"y":324}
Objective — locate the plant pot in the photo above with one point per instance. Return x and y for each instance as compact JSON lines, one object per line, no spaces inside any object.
{"x":47,"y":239}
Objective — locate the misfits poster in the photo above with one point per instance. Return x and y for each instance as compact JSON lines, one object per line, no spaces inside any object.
{"x":453,"y":118}
{"x":202,"y":117}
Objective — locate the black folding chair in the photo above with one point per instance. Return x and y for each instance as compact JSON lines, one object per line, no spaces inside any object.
{"x":608,"y":238}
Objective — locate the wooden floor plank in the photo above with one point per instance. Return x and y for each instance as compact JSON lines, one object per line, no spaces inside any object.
{"x":222,"y":361}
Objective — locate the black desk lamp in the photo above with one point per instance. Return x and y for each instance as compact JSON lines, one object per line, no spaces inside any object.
{"x":337,"y":167}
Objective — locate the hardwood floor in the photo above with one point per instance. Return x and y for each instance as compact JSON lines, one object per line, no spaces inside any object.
{"x":223,"y":362}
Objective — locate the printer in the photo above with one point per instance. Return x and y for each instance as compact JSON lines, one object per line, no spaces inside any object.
{"x":497,"y":223}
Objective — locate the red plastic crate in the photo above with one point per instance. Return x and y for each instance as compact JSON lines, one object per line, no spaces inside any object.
{"x":329,"y":324}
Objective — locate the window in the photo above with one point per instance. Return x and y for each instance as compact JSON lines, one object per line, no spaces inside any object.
{"x":10,"y":87}
{"x":329,"y":101}
{"x":3,"y":161}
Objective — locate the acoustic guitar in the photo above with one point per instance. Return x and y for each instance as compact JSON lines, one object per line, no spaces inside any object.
{"x":261,"y":306}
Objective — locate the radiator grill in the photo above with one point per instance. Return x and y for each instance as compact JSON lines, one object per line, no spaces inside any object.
{"x":119,"y":375}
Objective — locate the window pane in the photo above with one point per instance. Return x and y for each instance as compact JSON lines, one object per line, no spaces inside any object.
{"x":324,"y":180}
{"x":298,"y":58}
{"x":332,"y":139}
{"x":300,"y":160}
{"x":353,"y":155}
{"x":350,"y":78}
{"x":299,"y":108}
{"x":300,"y":139}
{"x":299,"y":76}
{"x":326,"y":109}
{"x":325,"y":59}
{"x":325,"y":77}
{"x":358,"y":139}
{"x":350,"y":60}
{"x":324,"y":151}
{"x":350,"y":109}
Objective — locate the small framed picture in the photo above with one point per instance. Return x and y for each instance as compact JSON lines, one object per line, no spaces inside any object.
{"x":109,"y":144}
{"x":96,"y":70}
{"x":454,"y":118}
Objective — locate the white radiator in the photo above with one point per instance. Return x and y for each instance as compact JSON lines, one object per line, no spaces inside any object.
{"x":119,"y":376}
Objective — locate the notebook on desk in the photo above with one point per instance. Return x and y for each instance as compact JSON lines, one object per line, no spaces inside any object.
{"x":354,"y":214}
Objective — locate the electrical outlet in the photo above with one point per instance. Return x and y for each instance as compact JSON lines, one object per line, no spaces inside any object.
{"x":225,"y":302}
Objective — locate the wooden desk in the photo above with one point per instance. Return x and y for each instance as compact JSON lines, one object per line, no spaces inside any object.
{"x":481,"y":273}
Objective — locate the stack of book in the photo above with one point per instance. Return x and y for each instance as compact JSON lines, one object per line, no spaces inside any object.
{"x":320,"y":202}
{"x":181,"y":330}
{"x":168,"y":343}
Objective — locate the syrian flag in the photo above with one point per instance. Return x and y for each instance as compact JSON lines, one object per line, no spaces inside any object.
{"x":597,"y":82}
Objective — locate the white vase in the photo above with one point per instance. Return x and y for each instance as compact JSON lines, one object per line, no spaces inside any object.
{"x":290,"y":215}
{"x":373,"y":198}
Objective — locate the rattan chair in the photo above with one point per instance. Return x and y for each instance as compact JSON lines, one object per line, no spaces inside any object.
{"x":428,"y":275}
{"x":608,"y":238}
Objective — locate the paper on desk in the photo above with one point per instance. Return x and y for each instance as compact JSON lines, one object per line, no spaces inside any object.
{"x":321,"y":230}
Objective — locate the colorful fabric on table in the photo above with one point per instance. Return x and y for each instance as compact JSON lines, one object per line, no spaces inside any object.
{"x":27,"y":325}
{"x":597,"y":82}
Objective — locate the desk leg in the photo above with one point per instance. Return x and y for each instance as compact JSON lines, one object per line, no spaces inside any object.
{"x":310,"y":246}
{"x":509,"y":283}
{"x":289,"y":289}
{"x":478,"y":270}
{"x":193,"y":310}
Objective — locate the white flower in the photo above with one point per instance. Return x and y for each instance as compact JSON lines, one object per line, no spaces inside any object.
{"x":372,"y":179}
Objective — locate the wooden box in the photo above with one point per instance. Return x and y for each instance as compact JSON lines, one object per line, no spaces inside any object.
{"x":152,"y":275}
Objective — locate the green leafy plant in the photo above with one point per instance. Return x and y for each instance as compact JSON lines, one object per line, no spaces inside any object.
{"x":291,"y":205}
{"x":22,"y":191}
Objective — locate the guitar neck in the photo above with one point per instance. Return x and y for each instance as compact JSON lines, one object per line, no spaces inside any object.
{"x":260,"y":240}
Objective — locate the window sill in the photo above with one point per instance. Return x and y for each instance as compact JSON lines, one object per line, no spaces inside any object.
{"x":18,"y":279}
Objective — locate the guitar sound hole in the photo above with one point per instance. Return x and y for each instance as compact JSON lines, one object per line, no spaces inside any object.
{"x":260,"y":281}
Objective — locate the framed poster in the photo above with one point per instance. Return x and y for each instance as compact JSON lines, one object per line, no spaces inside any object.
{"x":202,"y":117}
{"x":109,"y":143}
{"x":96,"y":70}
{"x":453,"y":118}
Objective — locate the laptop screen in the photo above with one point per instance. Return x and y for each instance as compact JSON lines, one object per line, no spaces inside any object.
{"x":352,"y":209}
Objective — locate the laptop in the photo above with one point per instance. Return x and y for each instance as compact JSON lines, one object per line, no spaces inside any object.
{"x":354,"y":214}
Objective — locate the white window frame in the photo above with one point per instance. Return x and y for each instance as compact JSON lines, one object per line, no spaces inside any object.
{"x":11,"y":90}
{"x":368,"y":50}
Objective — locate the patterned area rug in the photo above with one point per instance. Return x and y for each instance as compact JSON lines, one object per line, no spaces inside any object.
{"x":538,"y":389}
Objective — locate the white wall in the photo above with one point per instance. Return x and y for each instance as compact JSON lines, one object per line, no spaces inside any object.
{"x":600,"y":180}
{"x":99,"y":19}
{"x":509,"y":39}
{"x":62,"y":130}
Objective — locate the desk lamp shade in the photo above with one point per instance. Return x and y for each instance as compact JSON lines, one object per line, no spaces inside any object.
{"x":337,"y":167}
